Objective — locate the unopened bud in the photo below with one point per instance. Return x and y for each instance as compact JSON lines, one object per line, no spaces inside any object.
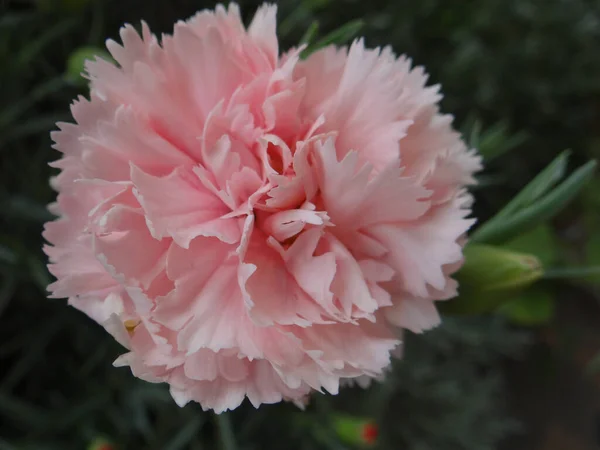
{"x":77,"y":59}
{"x":489,"y":276}
{"x":101,"y":444}
{"x":362,"y":432}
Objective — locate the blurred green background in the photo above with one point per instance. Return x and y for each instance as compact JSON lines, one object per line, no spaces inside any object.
{"x":522,"y":78}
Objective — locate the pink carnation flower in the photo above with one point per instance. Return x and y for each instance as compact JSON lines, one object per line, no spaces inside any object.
{"x":249,"y":224}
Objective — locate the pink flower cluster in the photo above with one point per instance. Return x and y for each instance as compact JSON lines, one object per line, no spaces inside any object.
{"x":250,"y":224}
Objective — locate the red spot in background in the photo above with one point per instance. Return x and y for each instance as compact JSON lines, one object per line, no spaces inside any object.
{"x":105,"y":447}
{"x":370,"y":432}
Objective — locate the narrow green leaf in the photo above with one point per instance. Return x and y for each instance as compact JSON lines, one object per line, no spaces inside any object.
{"x":499,"y":230}
{"x":310,"y":34}
{"x":25,"y":208}
{"x":30,"y":52}
{"x":87,"y":407}
{"x":487,"y":180}
{"x":496,"y":142}
{"x":183,"y":438}
{"x":293,"y":20}
{"x":34,"y":353}
{"x":7,"y":255}
{"x":474,"y":134}
{"x":17,"y":410}
{"x":226,"y":431}
{"x":39,"y":124}
{"x":96,"y":358}
{"x":10,"y":20}
{"x":339,"y":36}
{"x":40,"y":92}
{"x":541,"y":184}
{"x":39,"y":273}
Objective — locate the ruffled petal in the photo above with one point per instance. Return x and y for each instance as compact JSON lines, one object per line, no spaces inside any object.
{"x":181,"y":207}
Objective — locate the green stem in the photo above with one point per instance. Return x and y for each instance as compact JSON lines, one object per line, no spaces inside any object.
{"x":226,"y":432}
{"x":571,"y":272}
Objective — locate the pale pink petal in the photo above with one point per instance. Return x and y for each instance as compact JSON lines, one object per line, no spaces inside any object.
{"x":414,"y":314}
{"x":262,"y":31}
{"x":127,"y":250}
{"x":313,"y":273}
{"x":349,"y":285}
{"x":180,"y":207}
{"x":273,"y":294}
{"x":419,"y":252}
{"x":353,"y":200}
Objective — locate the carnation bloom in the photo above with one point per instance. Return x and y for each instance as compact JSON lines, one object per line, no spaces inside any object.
{"x":250,"y":224}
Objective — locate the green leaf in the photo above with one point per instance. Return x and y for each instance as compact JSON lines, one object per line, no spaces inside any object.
{"x":86,"y":407}
{"x":39,"y":93}
{"x":473,"y":130}
{"x":499,"y":230}
{"x":493,"y":141}
{"x":23,"y":365}
{"x":540,"y":185}
{"x":17,"y":410}
{"x":10,"y":20}
{"x":25,"y":208}
{"x":77,"y":59}
{"x":497,"y":141}
{"x":340,"y":36}
{"x":310,"y":34}
{"x":35,"y":125}
{"x":7,"y":255}
{"x":182,"y":439}
{"x":487,"y":180}
{"x":36,"y":46}
{"x":226,"y":432}
{"x":39,"y":273}
{"x":536,"y":306}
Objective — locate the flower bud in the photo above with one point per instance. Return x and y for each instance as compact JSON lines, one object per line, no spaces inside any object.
{"x":101,"y":444}
{"x":488,"y":277}
{"x":357,"y":431}
{"x":77,"y":59}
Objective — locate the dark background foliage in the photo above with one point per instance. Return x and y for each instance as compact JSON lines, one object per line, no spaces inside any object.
{"x":519,"y":75}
